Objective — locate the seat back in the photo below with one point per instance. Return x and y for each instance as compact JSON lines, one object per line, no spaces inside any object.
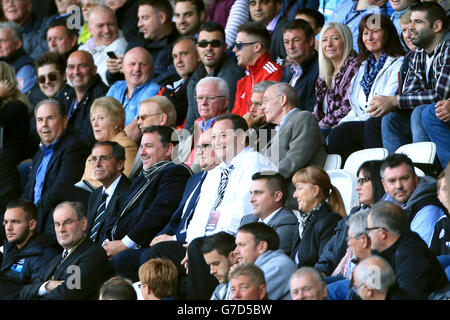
{"x":345,"y":182}
{"x":357,"y":158}
{"x":419,"y":152}
{"x":333,"y":162}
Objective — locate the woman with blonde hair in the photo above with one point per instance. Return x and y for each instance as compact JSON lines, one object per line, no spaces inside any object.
{"x":321,"y":207}
{"x":14,"y":134}
{"x":338,"y":64}
{"x":108,"y":123}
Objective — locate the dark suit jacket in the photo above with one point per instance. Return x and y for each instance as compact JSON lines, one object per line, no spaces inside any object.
{"x":93,"y":266}
{"x":316,"y":234}
{"x":147,"y":216}
{"x":277,"y":50}
{"x":114,"y":204}
{"x":306,"y":84}
{"x":66,"y":167}
{"x":177,"y":222}
{"x":285,"y":224}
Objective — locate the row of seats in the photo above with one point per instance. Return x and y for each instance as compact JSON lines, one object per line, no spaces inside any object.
{"x":345,"y":179}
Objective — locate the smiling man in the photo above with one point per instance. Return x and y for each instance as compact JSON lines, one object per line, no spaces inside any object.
{"x":416,"y":195}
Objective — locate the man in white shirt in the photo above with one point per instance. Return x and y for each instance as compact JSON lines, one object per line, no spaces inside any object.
{"x":106,"y":37}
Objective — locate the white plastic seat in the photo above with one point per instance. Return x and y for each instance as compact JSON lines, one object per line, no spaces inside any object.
{"x":357,"y":158}
{"x":419,"y":152}
{"x":345,"y":182}
{"x":333,"y":162}
{"x":138,"y":291}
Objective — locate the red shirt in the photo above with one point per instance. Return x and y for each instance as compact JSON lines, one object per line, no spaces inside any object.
{"x":263,"y":70}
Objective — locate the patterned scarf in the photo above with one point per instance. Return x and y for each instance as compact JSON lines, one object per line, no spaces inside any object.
{"x":373,"y":67}
{"x":305,"y":218}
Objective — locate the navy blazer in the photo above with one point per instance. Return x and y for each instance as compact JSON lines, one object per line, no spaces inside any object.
{"x":306,"y":84}
{"x":93,"y":268}
{"x":147,"y":216}
{"x":66,"y":168}
{"x":285,"y":224}
{"x":316,"y":234}
{"x":178,"y":221}
{"x":114,"y":204}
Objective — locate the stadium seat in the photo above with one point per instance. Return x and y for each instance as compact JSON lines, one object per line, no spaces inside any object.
{"x":419,"y":152}
{"x":345,"y":182}
{"x":357,"y":158}
{"x":333,"y":162}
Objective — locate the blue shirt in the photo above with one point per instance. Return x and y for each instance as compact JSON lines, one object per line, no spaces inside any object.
{"x":424,"y":220}
{"x":119,"y":91}
{"x":346,"y":13}
{"x":27,"y":77}
{"x":41,"y":171}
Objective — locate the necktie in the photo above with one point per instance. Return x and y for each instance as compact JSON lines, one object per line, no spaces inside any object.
{"x":99,"y":216}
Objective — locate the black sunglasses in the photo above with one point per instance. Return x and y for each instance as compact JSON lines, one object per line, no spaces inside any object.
{"x":52,"y":76}
{"x":214,"y":43}
{"x":239,"y":45}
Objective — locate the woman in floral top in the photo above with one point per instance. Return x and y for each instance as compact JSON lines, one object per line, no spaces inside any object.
{"x":338,"y":64}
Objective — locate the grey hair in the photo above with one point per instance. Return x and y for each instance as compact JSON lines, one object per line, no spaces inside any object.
{"x":390,"y":216}
{"x":76,"y":206}
{"x":263,"y":85}
{"x":59,"y":106}
{"x":221,"y":85}
{"x":248,"y":269}
{"x":310,"y":270}
{"x":14,"y":27}
{"x":376,"y":273}
{"x":358,"y":222}
{"x":290,"y":93}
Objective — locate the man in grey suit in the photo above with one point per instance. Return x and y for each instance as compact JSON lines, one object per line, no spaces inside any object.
{"x":268,"y":196}
{"x":299,"y":142}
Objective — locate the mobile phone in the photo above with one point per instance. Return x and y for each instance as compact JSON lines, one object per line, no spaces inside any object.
{"x":111,"y":54}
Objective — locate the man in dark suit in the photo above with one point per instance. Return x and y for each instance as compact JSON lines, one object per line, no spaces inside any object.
{"x":268,"y":195}
{"x":303,"y":69}
{"x":83,"y":266}
{"x":58,"y":164}
{"x":299,"y":142}
{"x":108,"y":158}
{"x":154,"y":195}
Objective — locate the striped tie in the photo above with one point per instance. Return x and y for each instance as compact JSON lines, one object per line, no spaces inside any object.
{"x":98,"y":218}
{"x":222,"y":185}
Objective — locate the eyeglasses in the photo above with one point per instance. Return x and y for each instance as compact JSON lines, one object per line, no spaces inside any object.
{"x":66,"y":223}
{"x":239,"y":45}
{"x":208,"y":98}
{"x":202,"y":147}
{"x":93,"y":160}
{"x":145,"y":116}
{"x":361,"y":181}
{"x":214,"y":43}
{"x":375,"y":228}
{"x":353,"y":238}
{"x":257,"y":105}
{"x":52,"y":76}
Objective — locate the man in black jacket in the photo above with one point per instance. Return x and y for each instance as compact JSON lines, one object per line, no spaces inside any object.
{"x":25,"y":251}
{"x":87,"y":86}
{"x":78,"y":273}
{"x":417,"y":270}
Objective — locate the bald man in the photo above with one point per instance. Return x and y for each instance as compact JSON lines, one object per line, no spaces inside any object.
{"x":106,"y":37}
{"x":87,"y":85}
{"x":137,"y":86}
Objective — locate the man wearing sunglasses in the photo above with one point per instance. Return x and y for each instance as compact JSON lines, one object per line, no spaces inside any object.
{"x":252,"y":52}
{"x":211,"y":48}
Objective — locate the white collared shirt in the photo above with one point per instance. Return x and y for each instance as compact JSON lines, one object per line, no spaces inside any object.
{"x":270,"y":216}
{"x":236,"y":200}
{"x":110,"y":190}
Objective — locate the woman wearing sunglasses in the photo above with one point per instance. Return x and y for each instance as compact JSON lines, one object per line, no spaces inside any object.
{"x":14,"y":134}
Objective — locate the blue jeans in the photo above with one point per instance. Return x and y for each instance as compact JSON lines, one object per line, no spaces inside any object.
{"x":438,"y":131}
{"x":418,"y":131}
{"x":395,"y":130}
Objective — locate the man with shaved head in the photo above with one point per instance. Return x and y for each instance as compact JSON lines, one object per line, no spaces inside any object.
{"x":137,"y":86}
{"x":106,"y":37}
{"x":86,"y":87}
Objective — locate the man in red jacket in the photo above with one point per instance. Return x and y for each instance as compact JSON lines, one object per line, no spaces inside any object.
{"x":252,"y":52}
